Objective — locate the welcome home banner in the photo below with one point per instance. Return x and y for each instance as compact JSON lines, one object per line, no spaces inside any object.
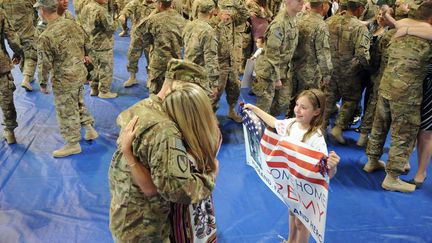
{"x":292,"y":170}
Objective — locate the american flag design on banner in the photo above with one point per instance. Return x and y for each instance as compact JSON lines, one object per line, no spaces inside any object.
{"x":294,"y":171}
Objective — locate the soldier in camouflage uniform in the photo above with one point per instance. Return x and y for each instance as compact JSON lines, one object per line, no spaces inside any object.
{"x":61,"y":49}
{"x":200,"y":42}
{"x":349,"y":43}
{"x":273,"y":65}
{"x":137,"y":10}
{"x":398,"y":107}
{"x":78,"y":6}
{"x":99,"y":25}
{"x":61,"y":11}
{"x":231,"y":14}
{"x":137,"y":214}
{"x":7,"y":85}
{"x":163,"y":33}
{"x":312,"y":66}
{"x":21,"y":16}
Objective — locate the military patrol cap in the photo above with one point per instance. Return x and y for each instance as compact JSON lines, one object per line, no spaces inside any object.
{"x":165,"y":1}
{"x":181,"y":70}
{"x":361,"y":2}
{"x":226,"y":4}
{"x":205,"y":6}
{"x":343,"y":2}
{"x":51,"y":4}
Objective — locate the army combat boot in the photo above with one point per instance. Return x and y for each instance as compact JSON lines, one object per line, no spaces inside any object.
{"x":363,"y":139}
{"x":233,"y":115}
{"x":26,"y":83}
{"x":373,"y":165}
{"x":393,"y":183}
{"x":90,"y":132}
{"x":336,"y":133}
{"x":94,"y":91}
{"x":131,"y":81}
{"x":9,"y":136}
{"x":107,"y":95}
{"x":67,"y":150}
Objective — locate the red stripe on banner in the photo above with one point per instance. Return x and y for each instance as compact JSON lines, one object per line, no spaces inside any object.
{"x":284,"y":165}
{"x":311,"y":153}
{"x":303,"y":164}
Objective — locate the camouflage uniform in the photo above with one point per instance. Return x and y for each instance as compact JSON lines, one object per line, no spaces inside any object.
{"x":138,"y":10}
{"x":280,"y":42}
{"x":312,"y":59}
{"x":61,"y":49}
{"x":99,"y":25}
{"x":22,"y":16}
{"x":379,"y":59}
{"x":162,"y":32}
{"x":7,"y":85}
{"x":201,"y":47}
{"x":274,"y":6}
{"x":400,"y":97}
{"x":78,"y":6}
{"x":349,"y":45}
{"x":229,"y":50}
{"x":158,"y":146}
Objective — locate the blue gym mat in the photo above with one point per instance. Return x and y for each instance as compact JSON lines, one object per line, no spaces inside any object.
{"x":43,"y":199}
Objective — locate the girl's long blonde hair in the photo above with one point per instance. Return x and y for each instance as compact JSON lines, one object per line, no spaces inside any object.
{"x":189,"y":107}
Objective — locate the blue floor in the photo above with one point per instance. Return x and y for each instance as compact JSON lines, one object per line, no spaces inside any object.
{"x":43,"y":199}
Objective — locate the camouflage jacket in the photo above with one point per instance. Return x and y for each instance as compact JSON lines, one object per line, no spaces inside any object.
{"x":349,"y":45}
{"x":21,"y":16}
{"x":280,"y":42}
{"x":158,"y":146}
{"x":61,"y":49}
{"x":259,"y":12}
{"x":312,"y":59}
{"x":402,"y":81}
{"x":8,"y":33}
{"x":201,"y":47}
{"x":99,"y":25}
{"x":163,"y":32}
{"x":138,"y":10}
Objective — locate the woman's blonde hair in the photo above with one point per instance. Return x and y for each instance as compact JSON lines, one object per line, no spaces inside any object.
{"x":189,"y":107}
{"x":318,"y":100}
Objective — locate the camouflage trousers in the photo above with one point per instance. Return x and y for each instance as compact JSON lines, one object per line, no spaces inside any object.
{"x":347,"y":87}
{"x":299,"y":84}
{"x":71,"y":113}
{"x":155,"y":80}
{"x":132,"y":65}
{"x":7,"y":88}
{"x":102,"y":76}
{"x":228,"y":81}
{"x":404,"y":122}
{"x":271,"y":100}
{"x":369,"y":113}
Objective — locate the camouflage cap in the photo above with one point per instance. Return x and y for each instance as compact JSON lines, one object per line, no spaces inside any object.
{"x":361,"y":2}
{"x":51,"y":4}
{"x":204,"y":6}
{"x":166,"y":1}
{"x":226,"y":4}
{"x":181,"y":70}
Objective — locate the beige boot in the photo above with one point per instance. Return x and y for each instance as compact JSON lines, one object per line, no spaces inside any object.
{"x":393,"y":183}
{"x":233,"y":115}
{"x":67,"y":150}
{"x":373,"y":165}
{"x":363,"y":139}
{"x":9,"y":135}
{"x":131,"y":81}
{"x":124,"y":33}
{"x":90,"y":133}
{"x":94,"y":91}
{"x":26,"y":83}
{"x":107,"y":95}
{"x":336,"y":133}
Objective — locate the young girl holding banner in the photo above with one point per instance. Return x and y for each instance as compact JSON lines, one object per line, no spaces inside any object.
{"x":305,"y":127}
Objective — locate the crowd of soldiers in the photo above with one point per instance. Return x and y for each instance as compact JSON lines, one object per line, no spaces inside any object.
{"x":303,"y":48}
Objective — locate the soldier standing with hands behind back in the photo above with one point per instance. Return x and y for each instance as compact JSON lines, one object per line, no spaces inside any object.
{"x":61,"y":48}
